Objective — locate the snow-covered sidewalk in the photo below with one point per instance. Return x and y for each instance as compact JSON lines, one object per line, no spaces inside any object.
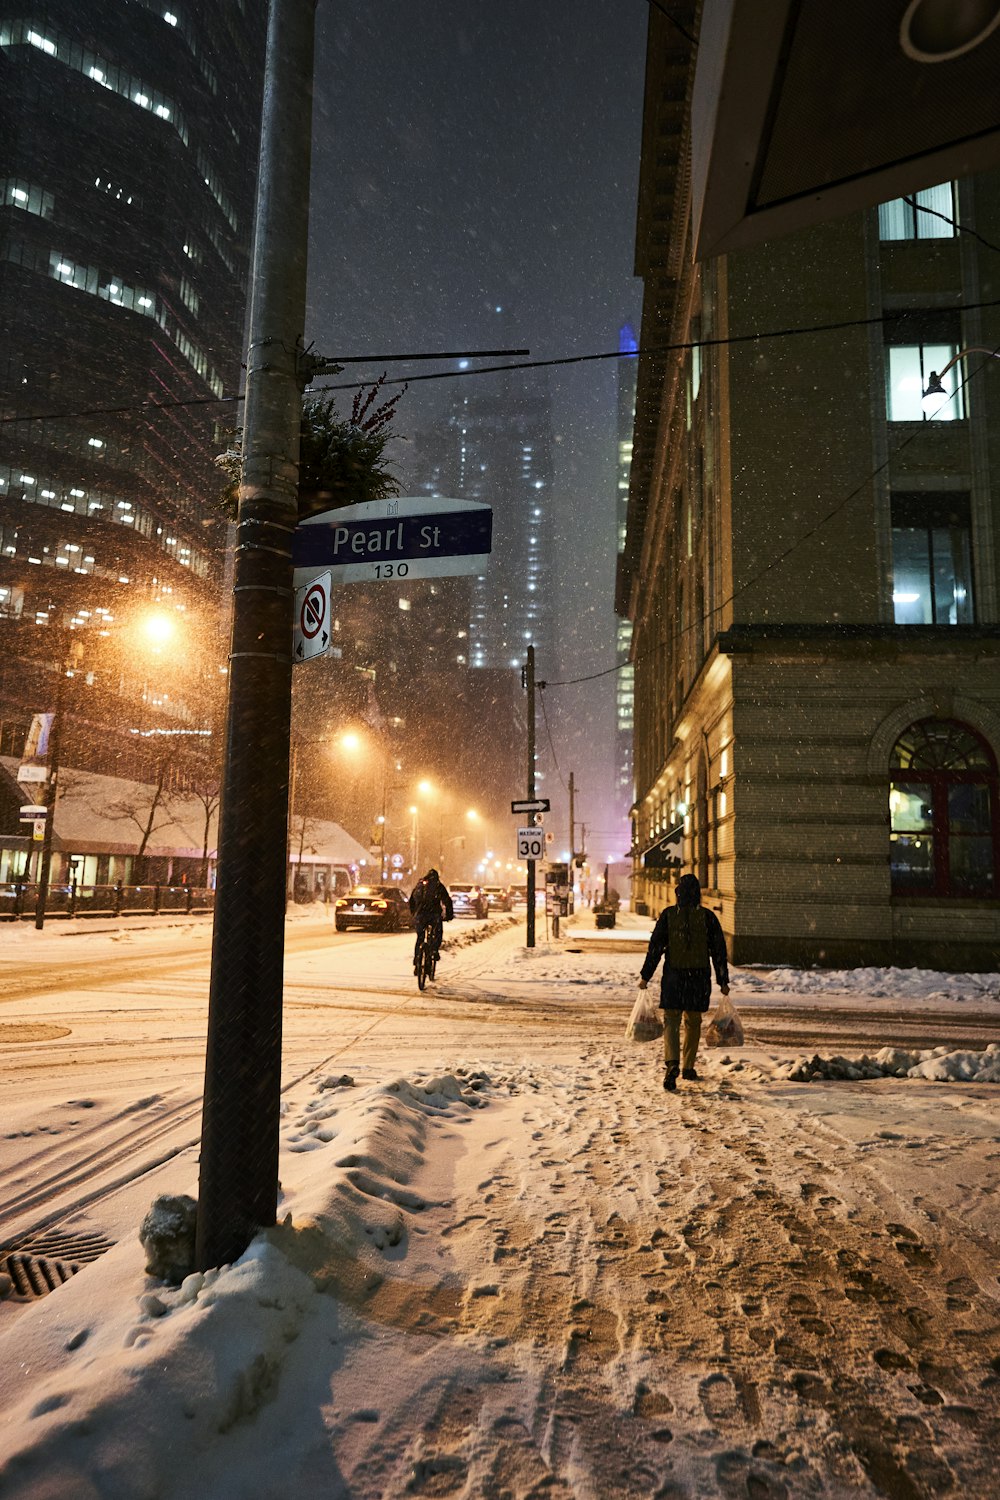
{"x":516,"y":1267}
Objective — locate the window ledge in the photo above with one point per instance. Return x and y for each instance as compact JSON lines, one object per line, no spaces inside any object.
{"x":981,"y":903}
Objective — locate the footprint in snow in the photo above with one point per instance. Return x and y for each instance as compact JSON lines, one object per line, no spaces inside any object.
{"x":718,"y":1397}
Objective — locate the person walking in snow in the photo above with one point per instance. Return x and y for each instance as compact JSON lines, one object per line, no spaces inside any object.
{"x":687,"y":938}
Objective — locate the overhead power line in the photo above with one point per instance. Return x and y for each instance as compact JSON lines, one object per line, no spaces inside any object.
{"x":936,"y":213}
{"x":792,"y":546}
{"x":681,"y":347}
{"x":548,"y":732}
{"x":659,"y":6}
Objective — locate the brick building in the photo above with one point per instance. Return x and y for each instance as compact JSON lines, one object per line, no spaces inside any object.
{"x":811,"y":568}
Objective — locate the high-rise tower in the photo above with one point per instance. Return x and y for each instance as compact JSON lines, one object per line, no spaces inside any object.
{"x":127,"y":171}
{"x":625,"y":681}
{"x":495,"y":445}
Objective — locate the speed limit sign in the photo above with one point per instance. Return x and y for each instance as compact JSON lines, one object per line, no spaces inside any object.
{"x":531,"y":843}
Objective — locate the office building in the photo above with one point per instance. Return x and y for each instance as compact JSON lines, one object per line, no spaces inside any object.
{"x":127,"y":170}
{"x":811,"y":568}
{"x":495,"y":445}
{"x":625,"y":679}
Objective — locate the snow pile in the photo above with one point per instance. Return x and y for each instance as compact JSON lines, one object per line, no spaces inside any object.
{"x":936,"y":1063}
{"x":477,"y":934}
{"x":879,"y":984}
{"x":555,"y":964}
{"x":94,"y":1381}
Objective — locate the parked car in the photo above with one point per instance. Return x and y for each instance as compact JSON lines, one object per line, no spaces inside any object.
{"x":469,"y":901}
{"x":381,"y":907}
{"x":498,"y":898}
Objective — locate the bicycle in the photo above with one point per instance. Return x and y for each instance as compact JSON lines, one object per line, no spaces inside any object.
{"x":425,"y":957}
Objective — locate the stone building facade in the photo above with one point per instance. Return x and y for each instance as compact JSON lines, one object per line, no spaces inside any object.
{"x":811,"y":568}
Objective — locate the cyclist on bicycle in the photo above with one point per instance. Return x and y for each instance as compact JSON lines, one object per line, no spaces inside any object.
{"x":430,"y":904}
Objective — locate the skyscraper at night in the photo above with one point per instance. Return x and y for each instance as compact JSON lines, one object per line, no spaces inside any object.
{"x":495,"y":445}
{"x":127,"y":172}
{"x":625,"y":680}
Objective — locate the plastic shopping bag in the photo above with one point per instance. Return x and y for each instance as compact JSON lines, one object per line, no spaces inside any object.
{"x":725,"y":1029}
{"x":644,"y":1024}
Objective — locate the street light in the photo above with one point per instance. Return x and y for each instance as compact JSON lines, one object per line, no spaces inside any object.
{"x":414,"y":835}
{"x":935,"y":390}
{"x":428,"y":790}
{"x":158,"y":628}
{"x":351,"y":741}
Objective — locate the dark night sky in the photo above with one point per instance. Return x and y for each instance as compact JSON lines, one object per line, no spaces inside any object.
{"x":468,"y":155}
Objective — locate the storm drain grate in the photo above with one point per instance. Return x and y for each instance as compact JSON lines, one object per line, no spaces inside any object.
{"x":41,"y":1262}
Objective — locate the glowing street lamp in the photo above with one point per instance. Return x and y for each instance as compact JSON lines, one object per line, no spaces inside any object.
{"x":156,"y":627}
{"x":159,"y":630}
{"x":352,"y":742}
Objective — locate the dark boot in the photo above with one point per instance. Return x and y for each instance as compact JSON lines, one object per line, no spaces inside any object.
{"x":670,"y":1078}
{"x":689,"y":1075}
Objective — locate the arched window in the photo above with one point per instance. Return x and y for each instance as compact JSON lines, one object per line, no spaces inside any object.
{"x":943,"y":812}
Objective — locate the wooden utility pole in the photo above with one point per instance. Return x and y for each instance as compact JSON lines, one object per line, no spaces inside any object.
{"x":572,"y":823}
{"x":529,"y":682}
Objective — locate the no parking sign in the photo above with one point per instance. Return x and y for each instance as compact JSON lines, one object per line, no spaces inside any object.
{"x":311,"y":630}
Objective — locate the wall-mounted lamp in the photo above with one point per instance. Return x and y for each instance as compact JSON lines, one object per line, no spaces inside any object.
{"x":935,"y":390}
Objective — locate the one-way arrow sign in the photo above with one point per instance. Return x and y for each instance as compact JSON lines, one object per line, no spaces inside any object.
{"x":533,"y":804}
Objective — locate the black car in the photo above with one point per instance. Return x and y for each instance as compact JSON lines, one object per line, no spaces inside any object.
{"x":383,"y":908}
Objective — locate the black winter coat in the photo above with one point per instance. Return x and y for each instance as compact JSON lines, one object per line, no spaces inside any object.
{"x":428,"y":903}
{"x":687,"y":989}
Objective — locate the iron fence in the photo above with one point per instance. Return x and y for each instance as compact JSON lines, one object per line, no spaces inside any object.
{"x":17,"y":900}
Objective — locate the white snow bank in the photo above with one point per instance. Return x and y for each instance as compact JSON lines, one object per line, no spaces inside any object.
{"x":93,"y":1377}
{"x":936,"y":1063}
{"x":891,"y":984}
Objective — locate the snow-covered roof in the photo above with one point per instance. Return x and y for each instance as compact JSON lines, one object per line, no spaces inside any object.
{"x":92,"y":817}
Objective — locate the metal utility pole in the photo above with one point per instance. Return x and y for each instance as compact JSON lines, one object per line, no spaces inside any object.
{"x":239,"y":1145}
{"x":529,"y":682}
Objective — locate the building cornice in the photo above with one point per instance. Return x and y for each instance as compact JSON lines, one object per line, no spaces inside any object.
{"x":860,"y":639}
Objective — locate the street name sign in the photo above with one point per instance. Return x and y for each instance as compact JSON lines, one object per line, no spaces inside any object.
{"x":530,"y":843}
{"x":311,"y":627}
{"x":531,"y":804}
{"x":33,"y":812}
{"x":411,"y":536}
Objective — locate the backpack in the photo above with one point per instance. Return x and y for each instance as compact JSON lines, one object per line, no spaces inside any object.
{"x":427,"y":906}
{"x":687,"y":937}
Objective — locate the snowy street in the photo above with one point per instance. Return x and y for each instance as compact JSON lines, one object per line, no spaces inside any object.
{"x":509,"y":1265}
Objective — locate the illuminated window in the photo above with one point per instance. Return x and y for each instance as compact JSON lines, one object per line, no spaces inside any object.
{"x":925,"y":218}
{"x":944,"y":835}
{"x":17,"y":193}
{"x":919,"y":344}
{"x":932,"y":559}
